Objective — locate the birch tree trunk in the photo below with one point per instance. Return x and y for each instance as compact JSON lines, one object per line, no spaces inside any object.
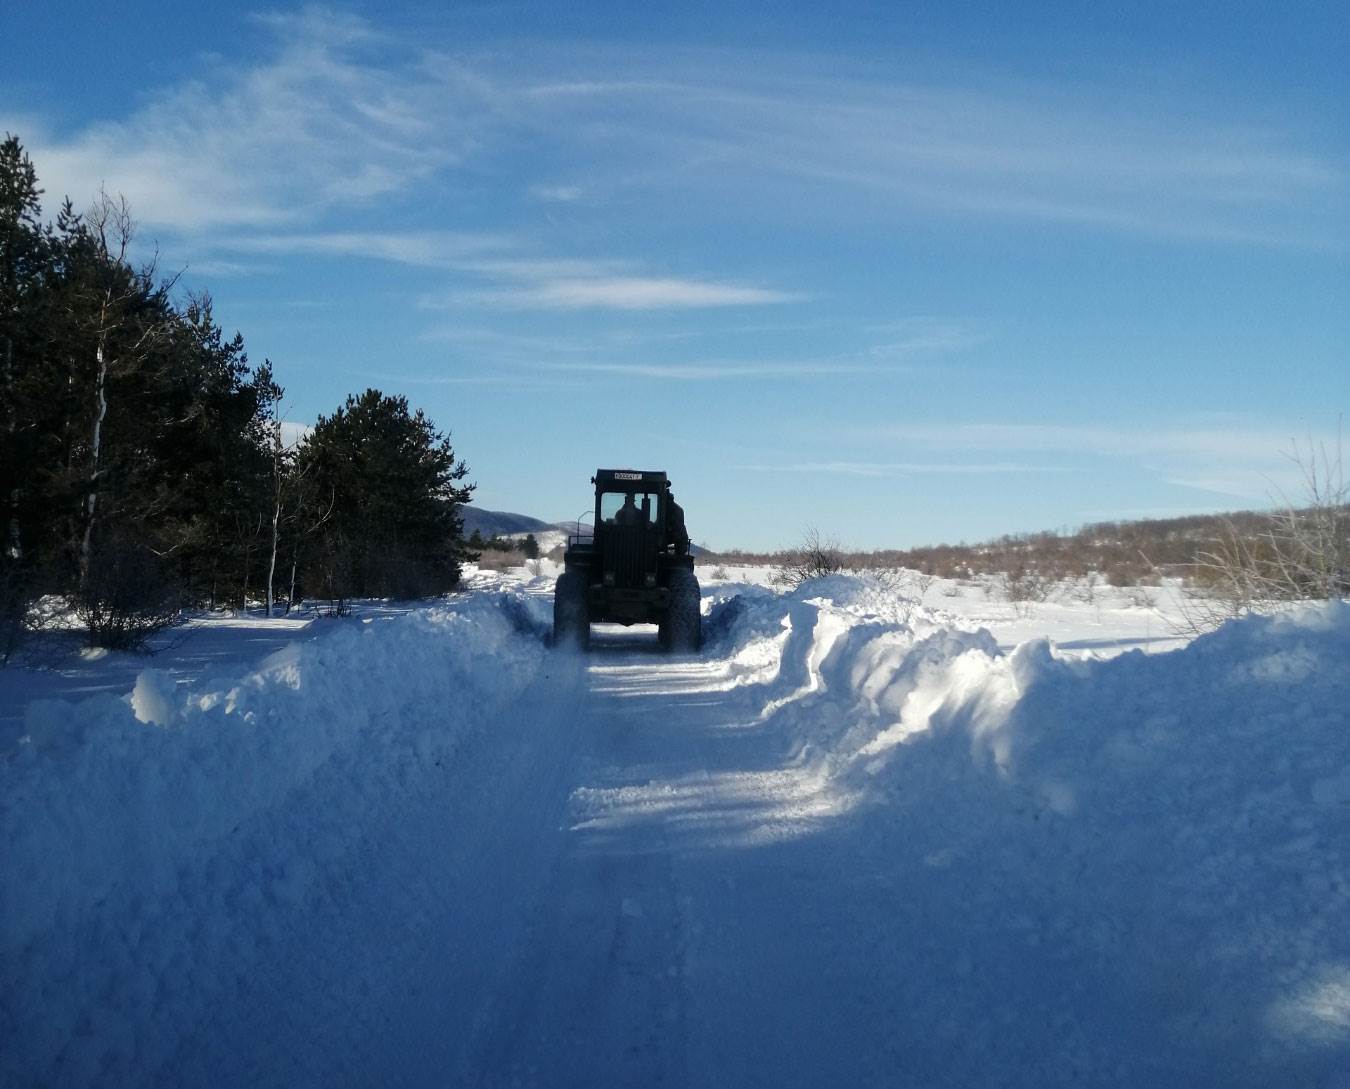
{"x":276,"y":509}
{"x":95,"y":445}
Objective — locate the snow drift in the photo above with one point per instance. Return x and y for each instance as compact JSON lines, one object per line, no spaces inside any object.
{"x":1127,"y":871}
{"x":1140,"y":863}
{"x":155,"y":844}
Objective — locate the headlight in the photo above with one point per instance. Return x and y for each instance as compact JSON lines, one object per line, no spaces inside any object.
{"x":650,"y":580}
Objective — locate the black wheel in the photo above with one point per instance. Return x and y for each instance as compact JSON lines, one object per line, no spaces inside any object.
{"x":571,"y":615}
{"x":681,"y":631}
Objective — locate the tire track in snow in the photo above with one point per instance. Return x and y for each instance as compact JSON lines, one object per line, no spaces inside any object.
{"x":593,"y":992}
{"x":678,"y":772}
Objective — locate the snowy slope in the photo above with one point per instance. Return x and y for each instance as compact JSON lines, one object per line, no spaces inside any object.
{"x":852,"y":842}
{"x":498,"y":523}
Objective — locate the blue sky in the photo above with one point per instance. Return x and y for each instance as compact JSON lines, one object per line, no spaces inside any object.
{"x":906,"y":273}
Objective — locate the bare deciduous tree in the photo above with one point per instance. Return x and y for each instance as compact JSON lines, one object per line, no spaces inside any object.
{"x":117,"y":287}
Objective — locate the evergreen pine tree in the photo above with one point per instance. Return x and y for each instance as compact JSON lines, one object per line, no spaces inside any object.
{"x":395,"y":528}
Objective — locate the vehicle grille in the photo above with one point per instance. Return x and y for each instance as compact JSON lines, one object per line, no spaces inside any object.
{"x":630,"y":552}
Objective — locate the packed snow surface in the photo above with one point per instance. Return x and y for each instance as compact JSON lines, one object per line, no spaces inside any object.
{"x":854,"y":841}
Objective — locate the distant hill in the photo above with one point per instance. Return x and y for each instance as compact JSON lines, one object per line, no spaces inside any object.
{"x":497,"y":523}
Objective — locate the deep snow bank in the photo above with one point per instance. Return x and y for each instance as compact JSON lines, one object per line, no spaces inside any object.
{"x":151,"y":841}
{"x":1136,"y":865}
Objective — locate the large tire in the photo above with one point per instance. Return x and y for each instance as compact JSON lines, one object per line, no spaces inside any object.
{"x":682,"y":629}
{"x":571,"y":613}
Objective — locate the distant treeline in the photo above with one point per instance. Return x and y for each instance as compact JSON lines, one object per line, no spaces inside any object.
{"x":1124,"y":553}
{"x":143,"y":465}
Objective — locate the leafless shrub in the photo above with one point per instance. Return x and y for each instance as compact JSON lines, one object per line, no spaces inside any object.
{"x":1023,"y":585}
{"x":720,"y":572}
{"x":894,"y":579}
{"x":814,"y":557}
{"x":1084,"y":590}
{"x":891,"y":579}
{"x":920,"y":583}
{"x":126,"y":596}
{"x":1299,"y":552}
{"x":1141,"y":597}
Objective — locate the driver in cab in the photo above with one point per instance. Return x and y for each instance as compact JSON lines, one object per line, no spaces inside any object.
{"x":628,"y":514}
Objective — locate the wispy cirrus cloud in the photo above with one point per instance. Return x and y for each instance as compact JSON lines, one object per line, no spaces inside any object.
{"x":784,"y":134}
{"x":1240,"y":462}
{"x":714,"y":369}
{"x":215,"y":267}
{"x":613,"y":351}
{"x":521,"y":282}
{"x":573,"y":284}
{"x":332,"y":114}
{"x":920,"y":335}
{"x":625,"y":293}
{"x":905,"y":468}
{"x":562,"y":194}
{"x":1225,"y":442}
{"x":426,"y":249}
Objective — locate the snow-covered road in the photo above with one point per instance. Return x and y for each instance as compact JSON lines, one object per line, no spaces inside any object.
{"x":844,"y":845}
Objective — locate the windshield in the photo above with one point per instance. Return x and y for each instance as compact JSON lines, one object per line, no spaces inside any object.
{"x":629,"y":508}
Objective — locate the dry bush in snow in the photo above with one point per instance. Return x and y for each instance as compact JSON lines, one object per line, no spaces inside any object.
{"x":1023,"y":585}
{"x":126,"y":596}
{"x":1299,"y":553}
{"x":813,"y":557}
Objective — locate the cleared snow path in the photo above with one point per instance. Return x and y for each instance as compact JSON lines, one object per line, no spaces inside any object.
{"x":733,"y":905}
{"x":845,"y":845}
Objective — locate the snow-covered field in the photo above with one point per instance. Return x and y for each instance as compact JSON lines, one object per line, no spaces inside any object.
{"x":860,"y":839}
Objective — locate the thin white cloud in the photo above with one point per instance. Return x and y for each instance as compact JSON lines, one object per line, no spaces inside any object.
{"x":428,"y":249}
{"x":542,"y":283}
{"x":511,"y":380}
{"x":563,"y":194}
{"x":609,"y":350}
{"x":1227,"y":442}
{"x":511,"y":343}
{"x":626,"y":293}
{"x":918,"y":335}
{"x":523,"y":282}
{"x":217,"y":268}
{"x":906,"y":468}
{"x":702,"y":371}
{"x":1248,"y":463}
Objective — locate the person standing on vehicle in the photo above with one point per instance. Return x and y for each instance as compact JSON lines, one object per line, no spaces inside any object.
{"x":675,"y":520}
